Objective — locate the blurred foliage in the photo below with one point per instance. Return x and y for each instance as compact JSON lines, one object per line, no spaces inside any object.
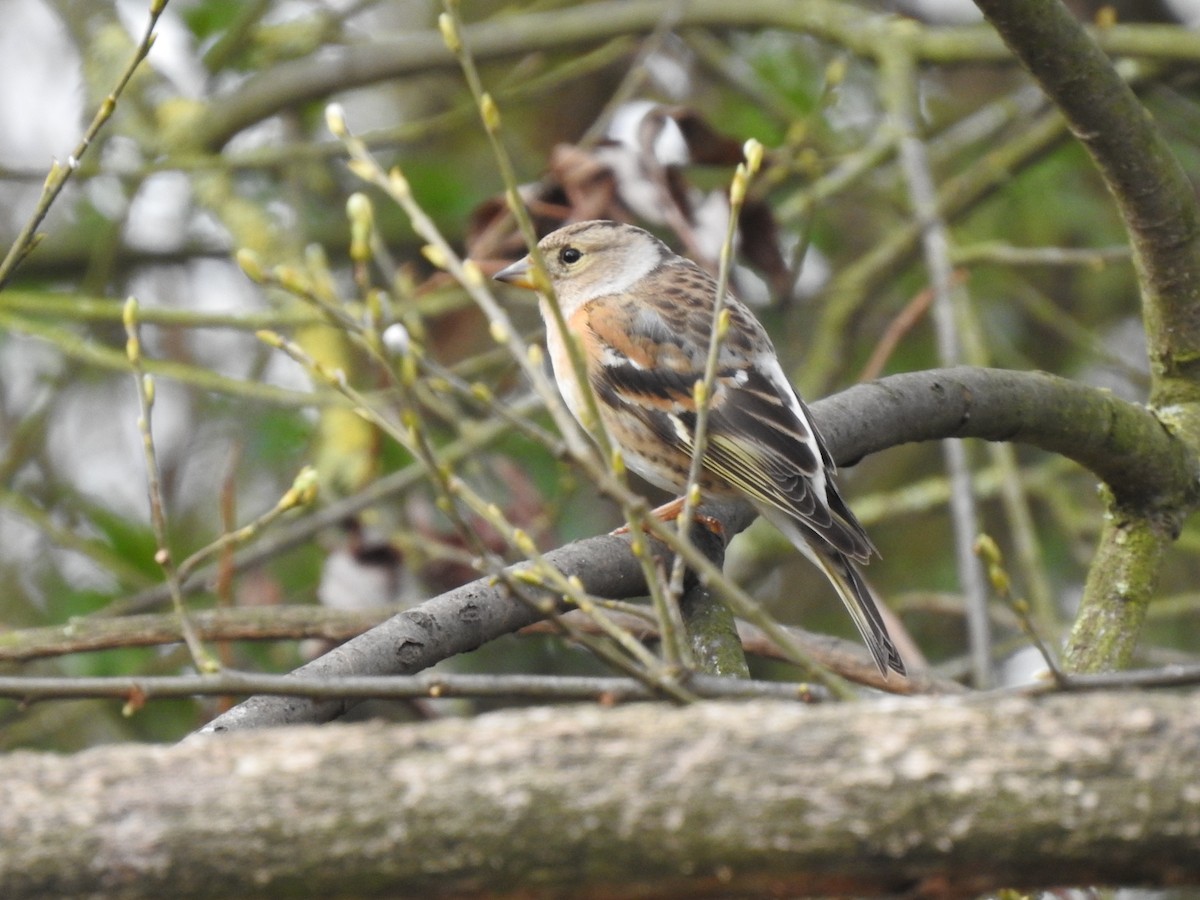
{"x":142,"y":216}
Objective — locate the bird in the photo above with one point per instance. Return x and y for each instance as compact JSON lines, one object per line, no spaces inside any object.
{"x":643,"y":317}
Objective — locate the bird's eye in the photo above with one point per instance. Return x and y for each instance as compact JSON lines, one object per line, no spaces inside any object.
{"x":569,"y":255}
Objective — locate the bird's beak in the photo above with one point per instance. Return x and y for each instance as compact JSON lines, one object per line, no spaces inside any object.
{"x":519,"y":274}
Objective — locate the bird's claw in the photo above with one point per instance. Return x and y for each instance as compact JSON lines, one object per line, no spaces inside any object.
{"x":671,"y":511}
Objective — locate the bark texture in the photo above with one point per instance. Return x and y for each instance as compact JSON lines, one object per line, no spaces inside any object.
{"x":948,"y":797}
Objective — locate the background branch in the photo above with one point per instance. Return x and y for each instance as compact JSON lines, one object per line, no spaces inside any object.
{"x":303,"y":80}
{"x":248,"y":624}
{"x":1156,"y":199}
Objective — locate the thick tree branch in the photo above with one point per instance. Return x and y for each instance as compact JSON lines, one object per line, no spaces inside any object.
{"x":1117,"y":440}
{"x":1121,"y":582}
{"x":1122,"y":444}
{"x":921,"y":798}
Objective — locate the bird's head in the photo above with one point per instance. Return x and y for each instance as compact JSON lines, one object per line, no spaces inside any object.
{"x":591,"y":259}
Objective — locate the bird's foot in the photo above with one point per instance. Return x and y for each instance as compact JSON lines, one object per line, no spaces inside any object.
{"x":671,"y":511}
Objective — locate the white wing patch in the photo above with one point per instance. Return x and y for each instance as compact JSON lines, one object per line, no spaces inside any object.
{"x":769,"y":366}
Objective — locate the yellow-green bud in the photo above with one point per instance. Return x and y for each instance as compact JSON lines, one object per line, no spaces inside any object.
{"x":472,"y":275}
{"x":618,"y":461}
{"x":490,"y":113}
{"x":449,"y":32}
{"x":250,"y":265}
{"x":129,"y":313}
{"x":398,"y":184}
{"x":753,"y":151}
{"x":358,"y":207}
{"x":335,"y":120}
{"x":362,"y":168}
{"x":271,"y":338}
{"x":435,"y":254}
{"x":523,"y":542}
{"x":723,"y":320}
{"x":737,"y":190}
{"x":835,"y":72}
{"x":987,"y":549}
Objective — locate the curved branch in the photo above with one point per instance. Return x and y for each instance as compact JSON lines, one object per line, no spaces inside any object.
{"x":922,"y":798}
{"x":1117,"y":440}
{"x":1122,"y":443}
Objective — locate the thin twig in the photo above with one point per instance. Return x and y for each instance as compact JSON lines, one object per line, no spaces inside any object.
{"x":997,"y":253}
{"x":75,"y":346}
{"x":703,"y":389}
{"x":899,"y":73}
{"x":136,"y":691}
{"x":292,"y":534}
{"x":61,"y":173}
{"x":989,"y":551}
{"x":263,"y":623}
{"x":158,"y":513}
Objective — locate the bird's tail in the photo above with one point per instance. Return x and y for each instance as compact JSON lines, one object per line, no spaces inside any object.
{"x":860,"y":602}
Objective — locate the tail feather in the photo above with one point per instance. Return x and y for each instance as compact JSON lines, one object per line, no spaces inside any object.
{"x":863,"y":609}
{"x":857,"y":597}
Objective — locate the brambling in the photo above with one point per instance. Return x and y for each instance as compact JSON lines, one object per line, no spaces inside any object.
{"x":643,"y":317}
